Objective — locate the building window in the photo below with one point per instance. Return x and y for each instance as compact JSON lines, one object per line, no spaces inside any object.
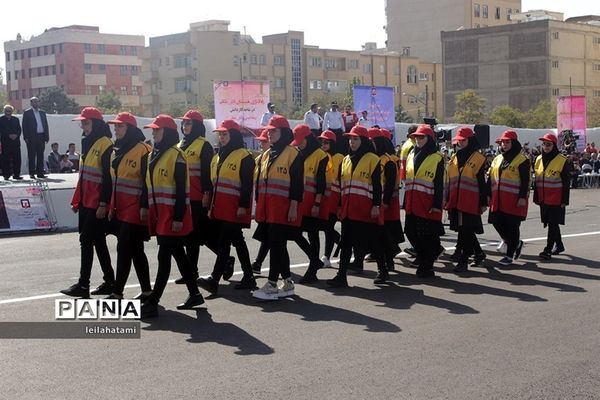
{"x":135,"y":70}
{"x":87,"y":68}
{"x":16,"y":55}
{"x":315,"y":62}
{"x":30,"y":72}
{"x":352,"y":64}
{"x":16,"y":95}
{"x":508,"y":12}
{"x":17,"y":75}
{"x":62,"y":69}
{"x":46,"y":70}
{"x":382,"y":68}
{"x":102,"y":68}
{"x":596,"y":67}
{"x":24,"y":93}
{"x":23,"y":52}
{"x":124,"y":90}
{"x":88,"y":90}
{"x":236,"y":40}
{"x":278,"y":83}
{"x":236,"y":61}
{"x":133,"y":51}
{"x":87,"y":48}
{"x":596,"y":41}
{"x":123,"y":50}
{"x":554,"y":35}
{"x":262,"y":59}
{"x":277,"y":60}
{"x":53,"y":69}
{"x":124,"y":70}
{"x":367,"y":68}
{"x":554,"y":64}
{"x":52,"y":49}
{"x":8,"y":56}
{"x":29,"y":53}
{"x":31,"y":93}
{"x":476,"y":11}
{"x":315,"y":85}
{"x":330,"y":63}
{"x":182,"y":61}
{"x":596,"y":93}
{"x":411,"y":74}
{"x":497,"y":15}
{"x":183,"y":85}
{"x":423,"y":76}
{"x":60,"y":48}
{"x":167,"y":61}
{"x":484,"y":11}
{"x":100,"y":49}
{"x":101,"y":88}
{"x":39,"y":71}
{"x":555,"y":92}
{"x":134,"y":90}
{"x":38,"y":51}
{"x":253,"y":59}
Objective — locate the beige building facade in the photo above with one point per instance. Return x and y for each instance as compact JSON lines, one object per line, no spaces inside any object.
{"x":413,"y":26}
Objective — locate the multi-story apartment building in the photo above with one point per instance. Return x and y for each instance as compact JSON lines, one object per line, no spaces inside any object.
{"x":522,"y":64}
{"x":80,"y":59}
{"x":413,"y":26}
{"x":180,"y":69}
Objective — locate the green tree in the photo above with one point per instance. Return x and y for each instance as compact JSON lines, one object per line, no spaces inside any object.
{"x":593,"y":113}
{"x":402,"y":116}
{"x":470,"y":108}
{"x":207,"y":106}
{"x":54,"y":100}
{"x":542,"y":116}
{"x":109,"y":102}
{"x":177,"y":110}
{"x":508,"y":116}
{"x":3,"y":99}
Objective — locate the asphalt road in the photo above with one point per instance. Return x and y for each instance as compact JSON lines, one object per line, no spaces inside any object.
{"x":529,"y":331}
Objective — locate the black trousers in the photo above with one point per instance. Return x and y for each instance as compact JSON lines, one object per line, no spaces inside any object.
{"x":92,"y":235}
{"x":130,"y":248}
{"x":230,"y":234}
{"x":279,"y":262}
{"x":310,"y":247}
{"x":11,"y":160}
{"x":203,"y":234}
{"x":35,"y":153}
{"x":510,"y":233}
{"x":331,"y":235}
{"x":165,"y":252}
{"x":360,"y":238}
{"x":263,"y":250}
{"x":554,"y":237}
{"x":467,"y":243}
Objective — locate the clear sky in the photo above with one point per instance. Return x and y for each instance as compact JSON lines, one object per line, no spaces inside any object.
{"x":325,"y":23}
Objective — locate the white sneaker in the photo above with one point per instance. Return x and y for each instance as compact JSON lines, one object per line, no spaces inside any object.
{"x":501,"y":247}
{"x":268,"y":292}
{"x":326,"y":262}
{"x":286,"y":288}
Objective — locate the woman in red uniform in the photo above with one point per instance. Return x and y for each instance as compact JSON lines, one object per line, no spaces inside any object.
{"x":169,"y":216}
{"x":263,"y":249}
{"x":90,"y":199}
{"x":232,"y":173}
{"x":129,"y":203}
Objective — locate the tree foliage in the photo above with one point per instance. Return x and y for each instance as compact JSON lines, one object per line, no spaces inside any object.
{"x":3,"y":99}
{"x":402,"y":116}
{"x":507,"y":116}
{"x":54,"y":100}
{"x":109,"y":102}
{"x":542,"y":116}
{"x":593,"y":113}
{"x":470,"y":108}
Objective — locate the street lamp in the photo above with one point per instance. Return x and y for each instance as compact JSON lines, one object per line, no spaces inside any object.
{"x":416,"y":98}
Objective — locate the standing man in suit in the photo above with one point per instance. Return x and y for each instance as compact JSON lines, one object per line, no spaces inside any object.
{"x":10,"y":138}
{"x":36,"y":135}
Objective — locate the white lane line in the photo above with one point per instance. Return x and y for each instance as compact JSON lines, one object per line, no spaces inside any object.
{"x":51,"y":295}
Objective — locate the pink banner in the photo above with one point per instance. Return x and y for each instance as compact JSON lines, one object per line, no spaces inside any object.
{"x":243,"y":101}
{"x":571,"y":115}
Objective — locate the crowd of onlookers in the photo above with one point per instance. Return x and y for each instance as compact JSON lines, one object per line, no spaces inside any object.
{"x":63,"y":163}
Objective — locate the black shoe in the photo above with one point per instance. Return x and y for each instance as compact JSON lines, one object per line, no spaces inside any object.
{"x":425,"y":274}
{"x":247,"y":282}
{"x":455,"y":256}
{"x":355,"y":268}
{"x":338,"y":282}
{"x":309,"y":277}
{"x":478,"y":259}
{"x":18,"y":178}
{"x":77,"y":291}
{"x":42,"y":176}
{"x":461,"y":267}
{"x":181,"y":281}
{"x":191,"y":302}
{"x":382,"y":277}
{"x":518,"y":250}
{"x":256,"y":268}
{"x":545,"y":255}
{"x":32,"y":176}
{"x":208,"y":283}
{"x":141,"y":297}
{"x":558,"y":249}
{"x":414,"y":263}
{"x":7,"y":178}
{"x":411,"y":251}
{"x":390,"y":266}
{"x":149,"y":310}
{"x":228,"y":272}
{"x":104,"y":288}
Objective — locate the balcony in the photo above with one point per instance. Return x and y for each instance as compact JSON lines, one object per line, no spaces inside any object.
{"x":146,"y":76}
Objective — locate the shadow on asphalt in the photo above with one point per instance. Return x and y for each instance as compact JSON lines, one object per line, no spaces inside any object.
{"x":202,"y":329}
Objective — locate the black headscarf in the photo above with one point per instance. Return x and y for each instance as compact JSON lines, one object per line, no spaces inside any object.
{"x":511,"y":154}
{"x":198,"y":130}
{"x":133,"y":136}
{"x":236,"y":141}
{"x":277,"y":148}
{"x":383,"y":146}
{"x":170,"y":139}
{"x":548,"y":157}
{"x":99,"y":129}
{"x":365,"y":147}
{"x":421,"y":153}
{"x":463,"y":155}
{"x":312,"y":144}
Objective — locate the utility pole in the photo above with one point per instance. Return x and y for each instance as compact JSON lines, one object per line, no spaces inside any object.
{"x":427,"y":101}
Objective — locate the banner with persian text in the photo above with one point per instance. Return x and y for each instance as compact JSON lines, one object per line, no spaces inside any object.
{"x":378,"y":101}
{"x":22,"y":208}
{"x":571,"y":114}
{"x":243,"y":101}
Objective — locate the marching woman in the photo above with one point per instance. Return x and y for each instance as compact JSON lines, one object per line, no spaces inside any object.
{"x":551,"y":192}
{"x":129,"y":203}
{"x":423,"y":199}
{"x":90,"y":199}
{"x":313,"y":208}
{"x":263,"y":249}
{"x":466,"y":197}
{"x":509,"y":188}
{"x":392,"y":232}
{"x":169,"y":215}
{"x":232,"y":173}
{"x":329,"y":146}
{"x":280,"y":186}
{"x":360,"y":178}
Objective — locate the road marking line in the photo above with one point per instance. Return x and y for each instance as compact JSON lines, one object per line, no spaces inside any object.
{"x":51,"y":295}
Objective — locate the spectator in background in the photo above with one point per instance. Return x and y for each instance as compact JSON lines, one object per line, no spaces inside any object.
{"x":313,"y":120}
{"x":591,"y":148}
{"x":264,"y":121}
{"x":10,"y":138}
{"x":36,"y":135}
{"x":54,"y":159}
{"x":350,"y":118}
{"x":66,"y":166}
{"x":595,"y":163}
{"x":586,"y":164}
{"x":575,"y":170}
{"x":364,"y":120}
{"x":73,"y":156}
{"x":334,"y":122}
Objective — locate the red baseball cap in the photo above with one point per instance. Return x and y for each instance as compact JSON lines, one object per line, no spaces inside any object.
{"x":263,"y":136}
{"x":193,"y":114}
{"x":124,"y":118}
{"x":507,"y":135}
{"x":301,"y":132}
{"x":464,"y":132}
{"x":549,"y":137}
{"x":162,"y":121}
{"x":227,"y":125}
{"x":423,"y":130}
{"x":89,"y":113}
{"x":358,"y":131}
{"x":328,"y":135}
{"x":386,"y":133}
{"x":278,"y":121}
{"x":374,"y":132}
